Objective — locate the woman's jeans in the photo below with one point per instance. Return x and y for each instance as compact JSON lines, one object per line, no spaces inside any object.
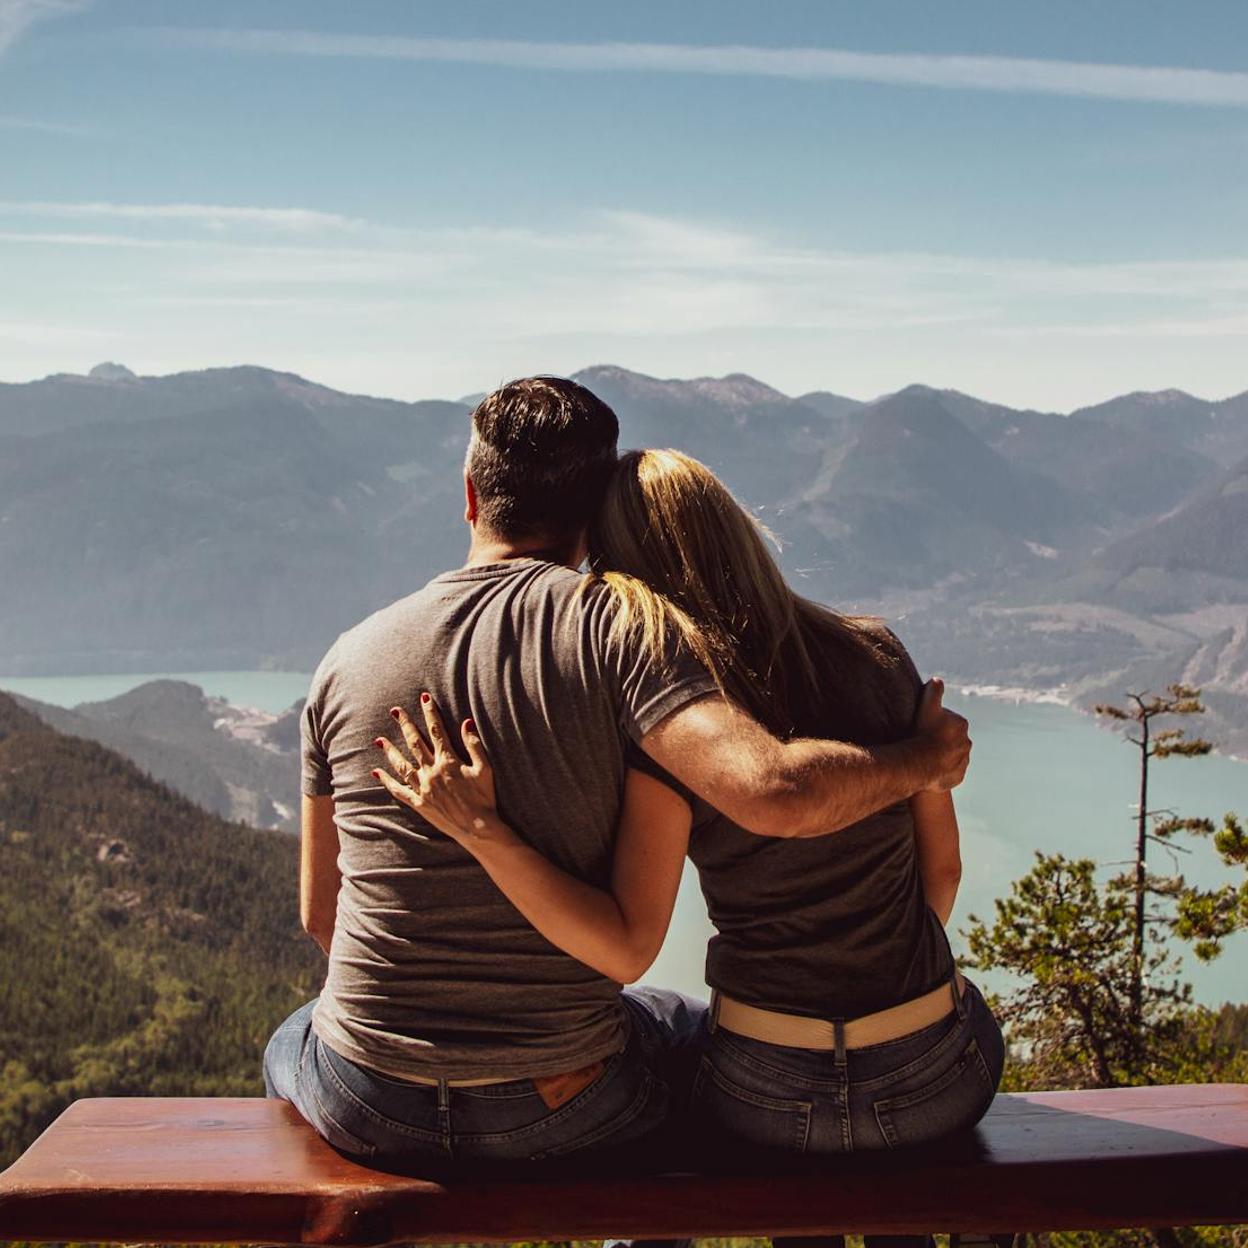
{"x":383,"y":1120}
{"x":903,"y":1092}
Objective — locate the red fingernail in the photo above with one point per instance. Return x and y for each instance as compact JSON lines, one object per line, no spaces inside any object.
{"x":394,"y":710}
{"x":379,"y":742}
{"x":376,"y":775}
{"x":424,"y":697}
{"x":470,"y":726}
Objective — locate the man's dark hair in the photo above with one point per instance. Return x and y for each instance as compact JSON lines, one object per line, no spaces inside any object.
{"x":541,"y":454}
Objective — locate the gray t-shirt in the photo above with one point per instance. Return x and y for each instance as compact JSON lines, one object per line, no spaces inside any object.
{"x":834,"y":926}
{"x":432,"y":972}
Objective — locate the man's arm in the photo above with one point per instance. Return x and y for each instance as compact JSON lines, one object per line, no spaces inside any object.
{"x":319,"y":878}
{"x":805,"y":788}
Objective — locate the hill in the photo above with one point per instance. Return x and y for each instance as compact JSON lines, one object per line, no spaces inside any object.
{"x":240,"y":764}
{"x":913,"y":496}
{"x":1217,"y":429}
{"x":146,"y":946}
{"x":1197,"y":554}
{"x":1166,"y":601}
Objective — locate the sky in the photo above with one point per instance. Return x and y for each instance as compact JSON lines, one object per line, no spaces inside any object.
{"x":1040,"y":204}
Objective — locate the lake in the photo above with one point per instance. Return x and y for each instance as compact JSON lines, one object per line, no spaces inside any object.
{"x":1044,"y":777}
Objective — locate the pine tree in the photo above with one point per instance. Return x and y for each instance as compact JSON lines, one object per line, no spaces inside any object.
{"x":1209,"y":916}
{"x":1068,"y":941}
{"x":1098,"y":1001}
{"x":1156,"y":826}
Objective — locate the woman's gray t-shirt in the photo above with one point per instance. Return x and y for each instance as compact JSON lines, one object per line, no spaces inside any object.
{"x":432,"y":972}
{"x":833,"y":926}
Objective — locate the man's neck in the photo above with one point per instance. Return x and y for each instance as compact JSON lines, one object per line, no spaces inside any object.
{"x":490,"y":548}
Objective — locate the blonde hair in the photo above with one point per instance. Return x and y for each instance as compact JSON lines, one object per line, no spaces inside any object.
{"x":679,"y":553}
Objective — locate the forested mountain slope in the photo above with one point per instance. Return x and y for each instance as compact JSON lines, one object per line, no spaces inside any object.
{"x":146,"y":947}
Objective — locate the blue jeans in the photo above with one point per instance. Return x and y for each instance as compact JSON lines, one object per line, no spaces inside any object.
{"x":904,"y":1092}
{"x":389,"y":1122}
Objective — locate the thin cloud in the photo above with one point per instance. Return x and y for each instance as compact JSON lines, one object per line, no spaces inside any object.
{"x":621,"y":277}
{"x":44,"y":238}
{"x":33,"y":333}
{"x":17,"y":16}
{"x":214,"y":216}
{"x":1228,"y":326}
{"x":621,"y":245}
{"x":1161,"y":84}
{"x":37,"y":125}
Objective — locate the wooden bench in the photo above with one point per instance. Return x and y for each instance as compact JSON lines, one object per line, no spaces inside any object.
{"x":239,"y":1171}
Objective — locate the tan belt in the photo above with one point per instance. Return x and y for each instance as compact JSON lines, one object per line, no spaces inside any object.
{"x":796,"y":1031}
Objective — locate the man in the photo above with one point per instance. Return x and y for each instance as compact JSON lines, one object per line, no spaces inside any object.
{"x":448,"y":1027}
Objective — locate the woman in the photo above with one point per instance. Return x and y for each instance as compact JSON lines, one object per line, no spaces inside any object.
{"x":838,"y":1021}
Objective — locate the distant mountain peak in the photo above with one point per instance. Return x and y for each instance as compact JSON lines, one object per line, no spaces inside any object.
{"x":109,"y":371}
{"x":1162,"y":398}
{"x":735,"y":389}
{"x":826,"y":403}
{"x":611,"y":372}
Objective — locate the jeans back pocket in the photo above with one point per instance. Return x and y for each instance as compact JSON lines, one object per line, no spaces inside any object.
{"x":954,"y":1100}
{"x":643,"y":1113}
{"x":751,"y":1114}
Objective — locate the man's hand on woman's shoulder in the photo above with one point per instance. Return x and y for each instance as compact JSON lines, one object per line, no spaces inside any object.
{"x":945,"y":736}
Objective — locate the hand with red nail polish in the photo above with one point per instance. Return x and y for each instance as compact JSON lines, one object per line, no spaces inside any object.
{"x":456,"y":798}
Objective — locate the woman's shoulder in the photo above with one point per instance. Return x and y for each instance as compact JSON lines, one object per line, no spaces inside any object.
{"x":886,"y":676}
{"x":888,"y":645}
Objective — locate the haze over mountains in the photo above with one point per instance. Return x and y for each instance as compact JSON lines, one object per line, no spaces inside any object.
{"x":240,"y":517}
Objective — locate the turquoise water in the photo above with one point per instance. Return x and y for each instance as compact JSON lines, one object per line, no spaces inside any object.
{"x":1043,"y":777}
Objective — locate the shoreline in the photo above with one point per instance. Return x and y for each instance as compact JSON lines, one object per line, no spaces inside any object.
{"x":1017,"y":694}
{"x":1021,"y":696}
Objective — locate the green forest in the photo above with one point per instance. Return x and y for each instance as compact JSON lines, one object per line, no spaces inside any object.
{"x":146,"y":947}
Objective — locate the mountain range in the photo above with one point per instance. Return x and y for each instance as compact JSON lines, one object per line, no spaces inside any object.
{"x":243,"y":517}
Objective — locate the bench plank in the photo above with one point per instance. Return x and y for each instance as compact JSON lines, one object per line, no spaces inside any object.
{"x":191,"y":1170}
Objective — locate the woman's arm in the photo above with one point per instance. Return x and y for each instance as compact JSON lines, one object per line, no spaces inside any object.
{"x":940,"y":857}
{"x":617,"y":932}
{"x":319,"y":878}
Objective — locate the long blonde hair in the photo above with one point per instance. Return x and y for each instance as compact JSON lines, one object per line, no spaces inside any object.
{"x":678,"y":552}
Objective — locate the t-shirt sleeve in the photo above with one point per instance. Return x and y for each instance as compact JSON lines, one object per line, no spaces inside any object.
{"x":315,"y":779}
{"x":653,"y":687}
{"x":701,"y":810}
{"x":638,"y":760}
